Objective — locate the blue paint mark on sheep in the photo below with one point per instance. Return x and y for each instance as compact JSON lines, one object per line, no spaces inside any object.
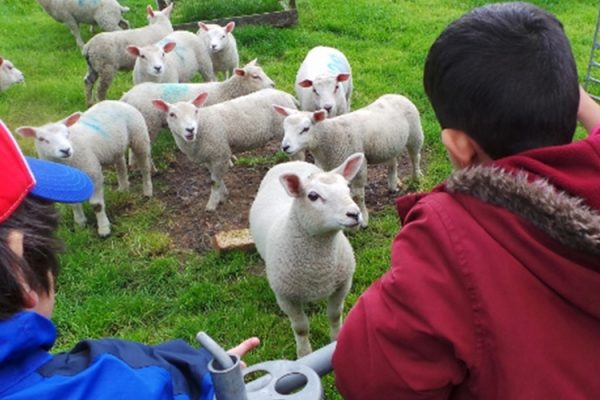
{"x":88,"y":2}
{"x":336,"y":64}
{"x":95,"y":124}
{"x":173,"y":92}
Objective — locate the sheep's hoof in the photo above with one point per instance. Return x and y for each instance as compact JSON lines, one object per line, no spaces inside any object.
{"x":104,"y":232}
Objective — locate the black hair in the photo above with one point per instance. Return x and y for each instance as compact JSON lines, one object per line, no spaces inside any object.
{"x":505,"y":75}
{"x":37,"y":220}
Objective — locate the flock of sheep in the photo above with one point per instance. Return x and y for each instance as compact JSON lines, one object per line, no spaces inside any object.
{"x":301,"y":209}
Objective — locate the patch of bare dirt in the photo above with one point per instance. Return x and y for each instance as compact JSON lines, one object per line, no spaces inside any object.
{"x":187,"y":188}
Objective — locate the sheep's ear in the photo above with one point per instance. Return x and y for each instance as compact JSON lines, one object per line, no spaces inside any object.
{"x":1,"y":61}
{"x":200,"y":99}
{"x":305,"y":83}
{"x":71,"y":119}
{"x":167,"y":10}
{"x":319,"y":116}
{"x":150,"y":11}
{"x":169,"y":46}
{"x":26,"y":131}
{"x":351,"y":166}
{"x":344,"y":76}
{"x":239,"y":71}
{"x":202,"y":26}
{"x":282,"y":110}
{"x":253,"y":62}
{"x":161,"y":105}
{"x":133,"y":50}
{"x":292,"y":185}
{"x":229,"y":27}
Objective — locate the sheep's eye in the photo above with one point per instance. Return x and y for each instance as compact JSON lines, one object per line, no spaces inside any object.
{"x":142,"y":56}
{"x":304,"y":130}
{"x":312,"y":196}
{"x":172,"y":115}
{"x":336,"y":88}
{"x":256,"y":77}
{"x":315,"y":91}
{"x":9,"y":66}
{"x":223,"y":37}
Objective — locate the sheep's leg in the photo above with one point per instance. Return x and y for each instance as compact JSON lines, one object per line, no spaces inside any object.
{"x":415,"y":158}
{"x":74,"y":27}
{"x":146,"y":168}
{"x":78,"y":214}
{"x":300,"y":325}
{"x":90,"y":79}
{"x":335,"y":307}
{"x":122,"y":177}
{"x":392,"y":170}
{"x":218,"y":191}
{"x":97,"y":202}
{"x":105,"y":81}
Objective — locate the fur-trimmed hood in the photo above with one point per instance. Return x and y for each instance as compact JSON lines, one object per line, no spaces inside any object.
{"x":565,"y":218}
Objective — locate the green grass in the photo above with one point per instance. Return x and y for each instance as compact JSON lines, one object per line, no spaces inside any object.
{"x":139,"y":283}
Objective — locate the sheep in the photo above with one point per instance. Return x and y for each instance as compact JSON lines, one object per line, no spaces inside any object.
{"x":176,"y":58}
{"x":381,"y":130}
{"x":106,"y":53}
{"x":9,"y":74}
{"x":221,"y":45}
{"x":92,"y":140}
{"x":297,"y":221}
{"x":108,"y":14}
{"x":211,"y":135}
{"x":244,"y":81}
{"x":324,"y":81}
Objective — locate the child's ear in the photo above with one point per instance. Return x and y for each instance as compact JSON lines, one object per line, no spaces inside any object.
{"x":463,"y":151}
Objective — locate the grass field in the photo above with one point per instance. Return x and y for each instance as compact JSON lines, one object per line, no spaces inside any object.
{"x":139,"y":284}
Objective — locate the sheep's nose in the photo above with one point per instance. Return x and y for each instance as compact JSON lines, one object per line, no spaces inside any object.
{"x":353,"y":215}
{"x":272,"y":84}
{"x":66,"y":152}
{"x":285,"y":148}
{"x":328,"y":108}
{"x":190,"y":130}
{"x":213,"y":46}
{"x":157,"y":68}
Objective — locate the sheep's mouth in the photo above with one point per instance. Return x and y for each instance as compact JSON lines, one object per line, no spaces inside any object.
{"x":189,"y":137}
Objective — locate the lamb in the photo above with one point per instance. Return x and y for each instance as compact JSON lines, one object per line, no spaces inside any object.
{"x":9,"y":74}
{"x":108,"y":14}
{"x":297,"y":221}
{"x":175,"y":58}
{"x":92,"y":140}
{"x":106,"y":53}
{"x":381,"y":130}
{"x":324,"y":81}
{"x":211,"y":135}
{"x":221,"y":45}
{"x":244,"y":81}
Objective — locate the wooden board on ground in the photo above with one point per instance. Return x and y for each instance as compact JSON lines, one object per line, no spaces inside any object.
{"x":238,"y":239}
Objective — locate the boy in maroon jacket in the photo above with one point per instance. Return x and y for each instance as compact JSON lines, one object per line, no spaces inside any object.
{"x":494,"y":286}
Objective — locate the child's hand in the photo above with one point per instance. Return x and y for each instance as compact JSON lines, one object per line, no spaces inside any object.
{"x":589,"y":111}
{"x":244,"y":347}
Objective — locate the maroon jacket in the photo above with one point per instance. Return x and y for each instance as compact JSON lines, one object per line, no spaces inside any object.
{"x":494,"y":288}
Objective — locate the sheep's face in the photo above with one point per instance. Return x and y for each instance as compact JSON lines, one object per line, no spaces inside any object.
{"x":328,"y":203}
{"x":253,"y":78}
{"x":151,"y":59}
{"x":327,"y":92}
{"x":216,"y":37}
{"x":297,"y":128}
{"x":182,"y":119}
{"x":9,"y":75}
{"x":52,"y":142}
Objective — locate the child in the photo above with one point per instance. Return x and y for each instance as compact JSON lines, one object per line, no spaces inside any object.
{"x":494,"y":288}
{"x":94,"y":369}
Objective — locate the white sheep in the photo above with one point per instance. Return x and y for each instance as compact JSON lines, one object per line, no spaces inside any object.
{"x":176,"y":58}
{"x":221,"y":45}
{"x":106,"y":53}
{"x":9,"y":74}
{"x":107,"y":14}
{"x":296,"y":222}
{"x":211,"y":135}
{"x":244,"y":81}
{"x":381,"y":130}
{"x":92,"y":140}
{"x":324,"y":81}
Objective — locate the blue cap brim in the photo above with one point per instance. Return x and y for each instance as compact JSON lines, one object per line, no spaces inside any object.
{"x":59,"y":182}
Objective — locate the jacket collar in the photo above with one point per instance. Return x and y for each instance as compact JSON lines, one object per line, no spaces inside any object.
{"x":24,"y":343}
